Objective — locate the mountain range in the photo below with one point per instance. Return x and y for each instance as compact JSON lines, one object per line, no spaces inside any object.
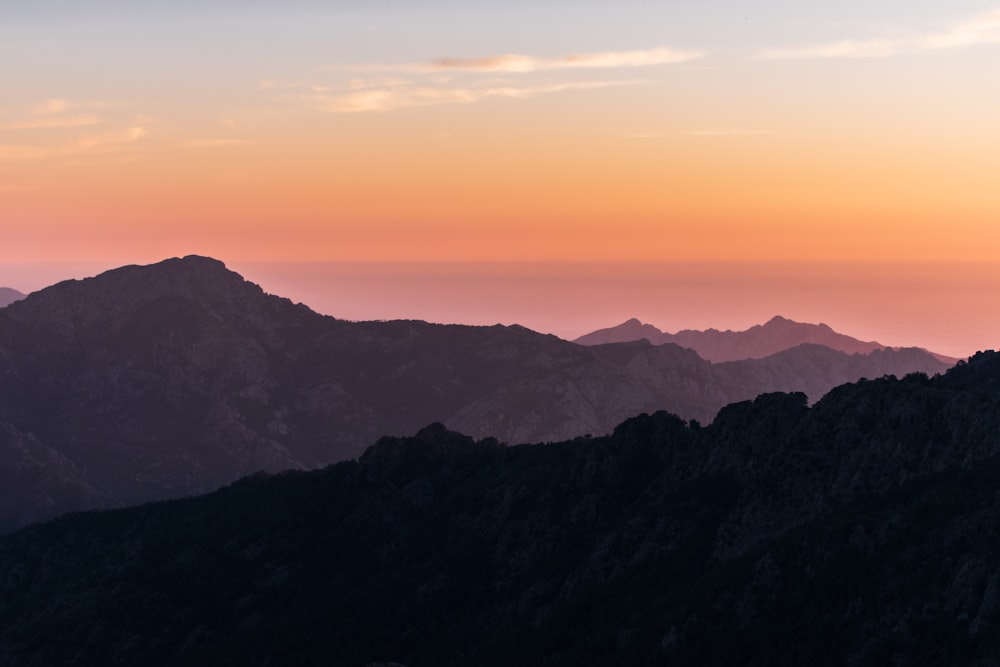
{"x":9,"y":296}
{"x":859,"y":531}
{"x":151,"y":382}
{"x":757,"y":342}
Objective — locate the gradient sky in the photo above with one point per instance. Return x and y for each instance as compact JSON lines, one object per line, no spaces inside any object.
{"x":390,"y":130}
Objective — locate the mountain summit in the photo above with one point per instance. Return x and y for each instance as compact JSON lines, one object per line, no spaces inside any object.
{"x":759,"y":341}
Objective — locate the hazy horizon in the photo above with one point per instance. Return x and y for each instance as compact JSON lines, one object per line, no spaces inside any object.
{"x":948,"y":307}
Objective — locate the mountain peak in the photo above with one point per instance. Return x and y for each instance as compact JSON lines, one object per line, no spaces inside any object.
{"x":175,"y":287}
{"x":9,"y":296}
{"x":630,"y":330}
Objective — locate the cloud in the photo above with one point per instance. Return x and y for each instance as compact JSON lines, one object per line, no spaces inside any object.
{"x":513,"y":63}
{"x":269,"y":84}
{"x":110,"y":139}
{"x":51,"y":106}
{"x":877,"y":48}
{"x":213,"y":143}
{"x":727,"y":132}
{"x":97,"y":144}
{"x":984,"y":29}
{"x":52,"y":122}
{"x":387,"y":99}
{"x":379,"y":87}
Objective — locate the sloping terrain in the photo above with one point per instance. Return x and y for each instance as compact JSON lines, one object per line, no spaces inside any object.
{"x":860,"y":531}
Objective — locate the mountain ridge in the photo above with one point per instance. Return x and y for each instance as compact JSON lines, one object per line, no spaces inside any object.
{"x":176,"y":378}
{"x":757,"y":342}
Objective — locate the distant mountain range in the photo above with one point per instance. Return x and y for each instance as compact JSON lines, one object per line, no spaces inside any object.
{"x":160,"y":381}
{"x":860,"y":531}
{"x":776,"y":335}
{"x":9,"y":296}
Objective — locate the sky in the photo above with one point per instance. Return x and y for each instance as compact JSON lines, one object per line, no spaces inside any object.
{"x":719,"y":132}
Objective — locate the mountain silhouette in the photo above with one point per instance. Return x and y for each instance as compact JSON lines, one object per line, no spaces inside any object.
{"x":151,"y":382}
{"x":859,"y":531}
{"x":776,"y":335}
{"x":9,"y":296}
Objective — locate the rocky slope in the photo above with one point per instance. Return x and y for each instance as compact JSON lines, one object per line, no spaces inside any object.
{"x":776,"y":335}
{"x":9,"y":296}
{"x":171,"y":379}
{"x":859,"y":531}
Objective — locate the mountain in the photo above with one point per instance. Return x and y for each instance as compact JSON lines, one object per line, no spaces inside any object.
{"x":151,"y":382}
{"x":759,"y":341}
{"x":859,"y":531}
{"x":9,"y":296}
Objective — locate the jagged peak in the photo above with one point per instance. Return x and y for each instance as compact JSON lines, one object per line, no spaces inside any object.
{"x":781,"y":321}
{"x":431,"y":442}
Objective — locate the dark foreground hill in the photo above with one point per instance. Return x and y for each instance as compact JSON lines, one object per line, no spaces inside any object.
{"x":9,"y":296}
{"x":150,"y":382}
{"x":776,"y":335}
{"x":861,"y":531}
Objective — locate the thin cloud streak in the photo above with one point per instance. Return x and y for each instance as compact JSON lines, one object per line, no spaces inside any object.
{"x":99,"y":144}
{"x":727,"y":132}
{"x":51,"y":106}
{"x":378,"y":87}
{"x":513,"y":63}
{"x":52,"y":122}
{"x":378,"y":100}
{"x":984,"y":29}
{"x":844,"y":49}
{"x":213,"y":143}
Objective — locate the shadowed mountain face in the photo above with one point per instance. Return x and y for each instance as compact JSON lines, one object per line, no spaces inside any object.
{"x":9,"y":296}
{"x":171,"y":379}
{"x":777,"y":335}
{"x":860,"y":531}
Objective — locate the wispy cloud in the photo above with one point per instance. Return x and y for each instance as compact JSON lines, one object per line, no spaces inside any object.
{"x":382,"y":87}
{"x":213,"y":143}
{"x":877,"y":48}
{"x":727,"y":132}
{"x":386,"y":99}
{"x":57,"y":105}
{"x":51,"y":122}
{"x":50,"y":106}
{"x":110,"y":139}
{"x":57,"y":113}
{"x":984,"y":29}
{"x":106,"y":143}
{"x":514,"y":63}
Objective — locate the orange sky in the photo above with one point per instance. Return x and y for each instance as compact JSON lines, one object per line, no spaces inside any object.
{"x":528,"y":131}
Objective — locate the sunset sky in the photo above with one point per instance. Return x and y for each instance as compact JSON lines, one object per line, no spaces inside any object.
{"x":386,"y":130}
